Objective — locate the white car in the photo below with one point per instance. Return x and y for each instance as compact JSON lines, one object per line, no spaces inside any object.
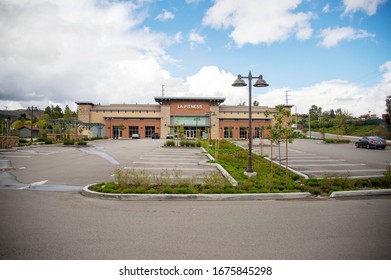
{"x":135,"y":136}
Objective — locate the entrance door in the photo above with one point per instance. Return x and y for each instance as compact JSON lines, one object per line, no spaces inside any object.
{"x":190,"y":134}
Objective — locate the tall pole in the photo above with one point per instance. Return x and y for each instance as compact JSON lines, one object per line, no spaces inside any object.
{"x":259,"y":83}
{"x":250,"y":138}
{"x":32,"y":118}
{"x":309,"y":122}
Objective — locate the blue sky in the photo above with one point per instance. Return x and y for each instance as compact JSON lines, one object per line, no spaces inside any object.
{"x":334,"y":54}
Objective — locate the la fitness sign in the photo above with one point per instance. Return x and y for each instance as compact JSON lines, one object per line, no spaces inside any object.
{"x":190,"y":106}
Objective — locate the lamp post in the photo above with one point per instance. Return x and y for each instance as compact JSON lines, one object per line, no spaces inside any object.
{"x":32,"y":108}
{"x":239,"y":82}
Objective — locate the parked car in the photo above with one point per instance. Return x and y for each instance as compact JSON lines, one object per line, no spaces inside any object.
{"x":371,"y":142}
{"x":155,"y":135}
{"x":170,"y":136}
{"x":135,"y":136}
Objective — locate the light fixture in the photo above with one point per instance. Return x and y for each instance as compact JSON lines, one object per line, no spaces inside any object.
{"x":239,"y":82}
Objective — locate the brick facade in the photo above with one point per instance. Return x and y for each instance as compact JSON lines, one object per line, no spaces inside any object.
{"x":197,"y":116}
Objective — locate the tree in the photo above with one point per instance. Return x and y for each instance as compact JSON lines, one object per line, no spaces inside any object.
{"x":67,"y":113}
{"x":341,"y":121}
{"x":281,"y":131}
{"x":388,"y":105}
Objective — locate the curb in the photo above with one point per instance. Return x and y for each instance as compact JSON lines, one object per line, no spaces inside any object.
{"x":219,"y":167}
{"x":341,"y":194}
{"x":199,"y":197}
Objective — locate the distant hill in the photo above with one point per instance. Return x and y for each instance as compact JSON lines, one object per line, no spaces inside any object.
{"x":15,"y":114}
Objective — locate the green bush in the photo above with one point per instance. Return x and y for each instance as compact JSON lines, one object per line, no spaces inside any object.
{"x":336,"y":141}
{"x":169,"y":143}
{"x":68,"y":141}
{"x":81,"y":143}
{"x":168,"y":190}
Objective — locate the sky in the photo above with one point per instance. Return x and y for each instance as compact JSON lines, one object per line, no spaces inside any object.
{"x":332,"y":54}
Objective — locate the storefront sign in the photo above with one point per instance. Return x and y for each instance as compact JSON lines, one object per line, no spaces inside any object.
{"x":189,"y":106}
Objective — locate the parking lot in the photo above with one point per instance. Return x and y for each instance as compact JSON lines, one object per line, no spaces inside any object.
{"x":316,"y":159}
{"x":44,"y":165}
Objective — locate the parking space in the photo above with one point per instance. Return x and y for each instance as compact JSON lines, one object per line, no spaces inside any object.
{"x":186,"y":161}
{"x":79,"y":166}
{"x":317,"y":160}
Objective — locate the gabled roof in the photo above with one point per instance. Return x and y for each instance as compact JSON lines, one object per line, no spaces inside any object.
{"x":29,"y":128}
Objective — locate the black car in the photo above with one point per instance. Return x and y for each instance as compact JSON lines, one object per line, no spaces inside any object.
{"x":155,"y":135}
{"x":371,"y":142}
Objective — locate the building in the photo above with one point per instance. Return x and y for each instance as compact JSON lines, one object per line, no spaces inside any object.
{"x":26,"y":132}
{"x":193,"y":116}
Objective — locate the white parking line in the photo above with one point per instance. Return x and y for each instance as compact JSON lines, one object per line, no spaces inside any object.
{"x":336,"y":165}
{"x":15,"y":156}
{"x":170,"y":158}
{"x":316,"y":160}
{"x":166,"y":163}
{"x":346,"y":171}
{"x":179,"y":168}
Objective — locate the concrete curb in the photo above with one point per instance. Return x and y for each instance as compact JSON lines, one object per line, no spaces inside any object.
{"x":360,"y":193}
{"x":199,"y":197}
{"x":219,"y":167}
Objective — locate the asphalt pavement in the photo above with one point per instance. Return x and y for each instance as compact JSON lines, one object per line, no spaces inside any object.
{"x":315,"y":159}
{"x":66,"y":225}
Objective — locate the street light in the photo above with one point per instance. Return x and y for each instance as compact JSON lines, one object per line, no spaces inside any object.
{"x":32,"y":108}
{"x":239,"y":82}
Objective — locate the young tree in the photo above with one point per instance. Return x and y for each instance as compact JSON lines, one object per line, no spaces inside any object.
{"x":281,"y":131}
{"x":341,"y":121}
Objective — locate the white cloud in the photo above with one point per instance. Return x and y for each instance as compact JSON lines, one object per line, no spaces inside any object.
{"x":326,"y":8}
{"x":331,"y":37}
{"x":367,"y":6}
{"x":195,"y":38}
{"x":260,"y":21}
{"x":165,"y":16}
{"x":71,"y":50}
{"x":335,"y":94}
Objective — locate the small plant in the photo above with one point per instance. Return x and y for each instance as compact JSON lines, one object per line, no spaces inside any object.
{"x":69,"y":141}
{"x":81,"y":143}
{"x":169,"y":143}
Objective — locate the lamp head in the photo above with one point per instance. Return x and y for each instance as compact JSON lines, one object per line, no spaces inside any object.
{"x":239,"y":82}
{"x":261,"y":82}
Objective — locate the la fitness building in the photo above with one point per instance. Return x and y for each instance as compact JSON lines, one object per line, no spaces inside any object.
{"x":196,"y":117}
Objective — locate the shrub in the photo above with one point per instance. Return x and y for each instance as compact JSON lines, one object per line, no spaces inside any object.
{"x":168,"y":190}
{"x":140,"y":190}
{"x":169,"y":143}
{"x":68,"y":141}
{"x":81,"y":143}
{"x":336,"y":141}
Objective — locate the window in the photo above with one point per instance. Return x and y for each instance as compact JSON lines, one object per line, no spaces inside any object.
{"x":149,"y":130}
{"x":243,"y":132}
{"x":228,"y":132}
{"x":133,"y":130}
{"x":258,"y":132}
{"x":117,"y":132}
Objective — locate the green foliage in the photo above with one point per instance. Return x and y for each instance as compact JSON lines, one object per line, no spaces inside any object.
{"x":69,"y":141}
{"x":169,"y":143}
{"x":336,"y":141}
